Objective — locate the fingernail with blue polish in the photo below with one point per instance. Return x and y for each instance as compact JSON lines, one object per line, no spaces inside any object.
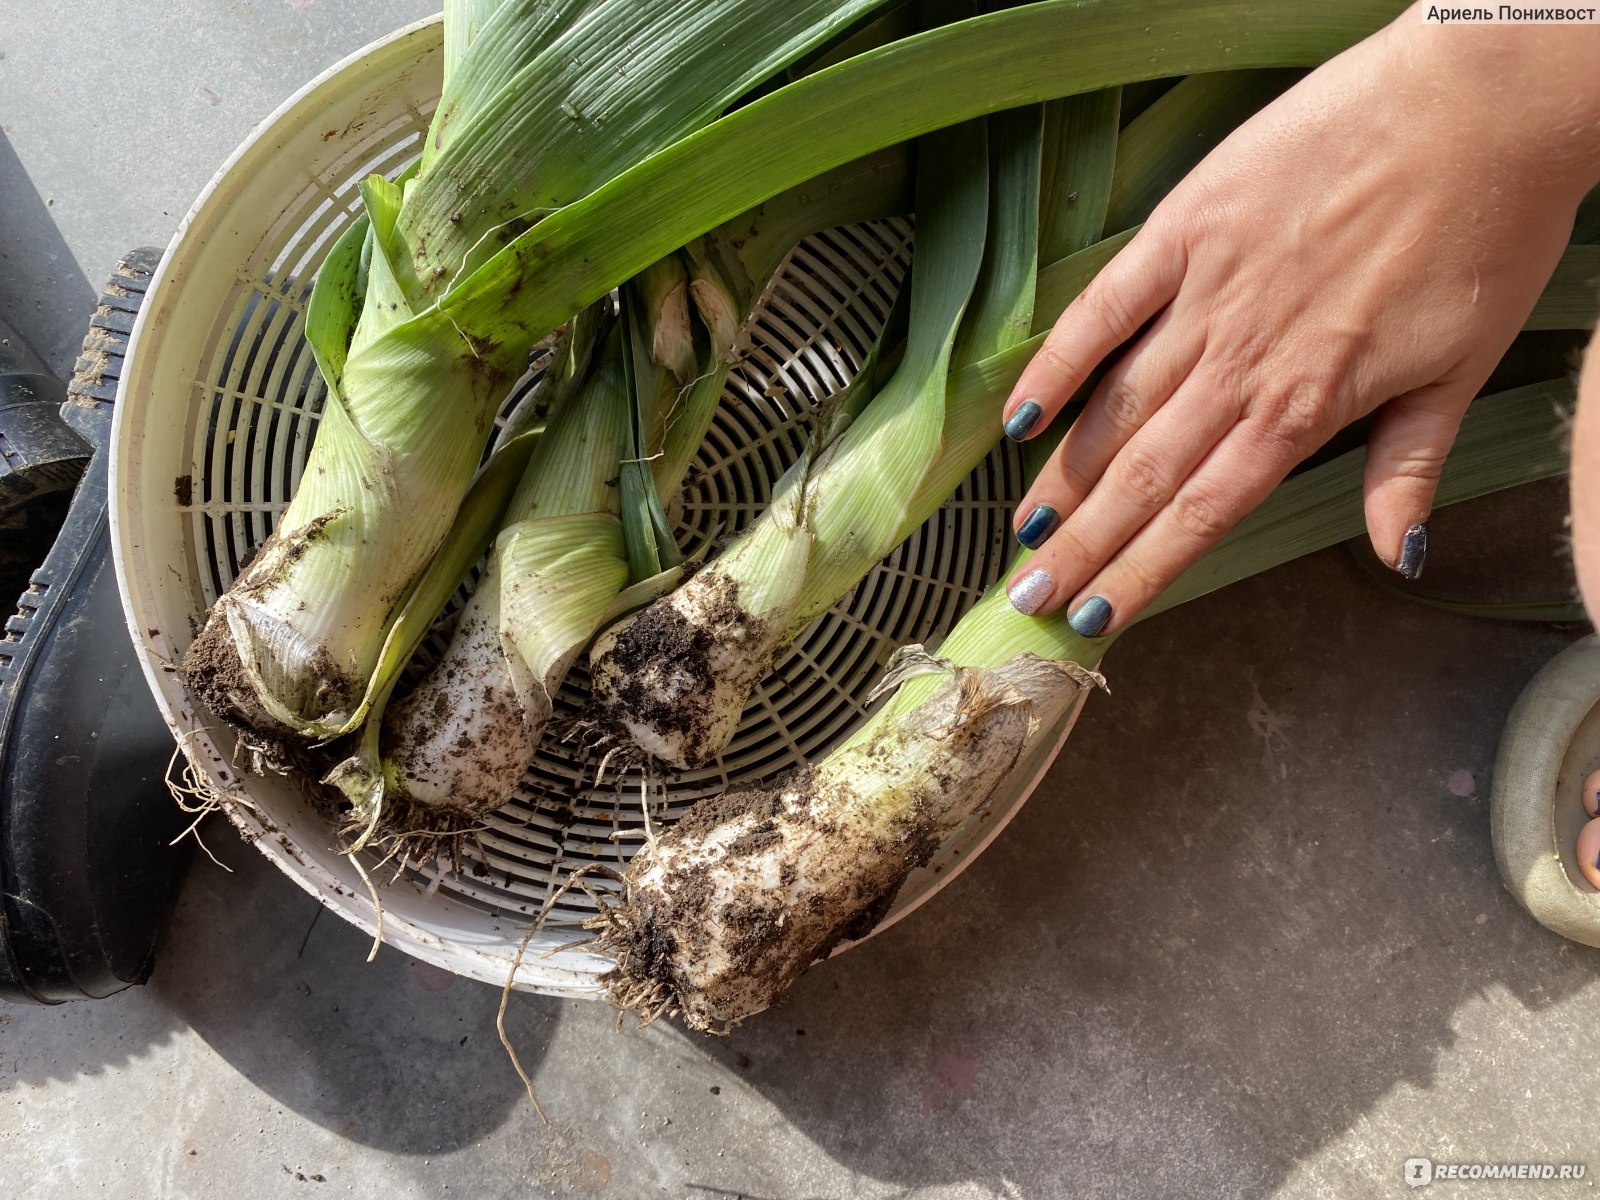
{"x":1020,"y":423}
{"x":1029,"y":593}
{"x":1412,"y":551}
{"x":1040,"y":524}
{"x":1090,"y":617}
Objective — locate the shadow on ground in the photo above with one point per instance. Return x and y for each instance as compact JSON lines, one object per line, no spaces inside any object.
{"x":395,"y":1054}
{"x":43,"y":293}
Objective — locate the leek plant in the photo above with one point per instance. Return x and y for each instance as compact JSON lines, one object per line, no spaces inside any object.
{"x":453,"y":750}
{"x":720,"y":915}
{"x":546,"y":102}
{"x":462,"y":738}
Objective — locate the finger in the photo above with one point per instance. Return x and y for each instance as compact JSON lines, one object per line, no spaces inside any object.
{"x":1143,"y":479}
{"x":1135,"y":285}
{"x":1132,"y":392}
{"x":1241,"y":470}
{"x":1405,"y":453}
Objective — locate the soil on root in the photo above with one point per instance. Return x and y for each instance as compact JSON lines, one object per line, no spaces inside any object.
{"x":407,"y":832}
{"x":213,"y":673}
{"x":409,"y":721}
{"x":660,"y":640}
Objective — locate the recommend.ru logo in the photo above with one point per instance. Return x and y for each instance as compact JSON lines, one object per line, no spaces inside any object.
{"x":1419,"y":1172}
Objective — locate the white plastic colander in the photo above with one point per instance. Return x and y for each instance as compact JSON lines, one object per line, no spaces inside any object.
{"x":217,"y":409}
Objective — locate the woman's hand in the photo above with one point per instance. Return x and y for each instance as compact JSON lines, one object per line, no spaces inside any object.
{"x":1377,"y":236}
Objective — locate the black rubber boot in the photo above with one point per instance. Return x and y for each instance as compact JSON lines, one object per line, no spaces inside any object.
{"x":41,"y":461}
{"x":87,"y":873}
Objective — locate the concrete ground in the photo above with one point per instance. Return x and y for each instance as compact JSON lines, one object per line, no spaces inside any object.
{"x":1246,"y":940}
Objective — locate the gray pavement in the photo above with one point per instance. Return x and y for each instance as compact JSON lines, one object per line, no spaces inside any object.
{"x":1246,"y":940}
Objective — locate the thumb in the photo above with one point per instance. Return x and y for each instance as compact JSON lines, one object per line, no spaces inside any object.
{"x":1405,"y":453}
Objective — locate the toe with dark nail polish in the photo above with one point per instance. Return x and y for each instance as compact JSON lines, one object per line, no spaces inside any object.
{"x":1038,"y":526}
{"x":1588,"y":852}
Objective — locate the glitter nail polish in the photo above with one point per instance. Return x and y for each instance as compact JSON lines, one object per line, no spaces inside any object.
{"x":1030,"y":592}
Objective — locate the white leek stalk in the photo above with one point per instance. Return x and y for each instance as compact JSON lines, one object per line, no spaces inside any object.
{"x":454,"y":749}
{"x":726,"y":910}
{"x":462,"y":739}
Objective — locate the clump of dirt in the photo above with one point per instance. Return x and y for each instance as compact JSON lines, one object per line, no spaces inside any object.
{"x":706,"y":816}
{"x":213,"y":673}
{"x":662,"y":665}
